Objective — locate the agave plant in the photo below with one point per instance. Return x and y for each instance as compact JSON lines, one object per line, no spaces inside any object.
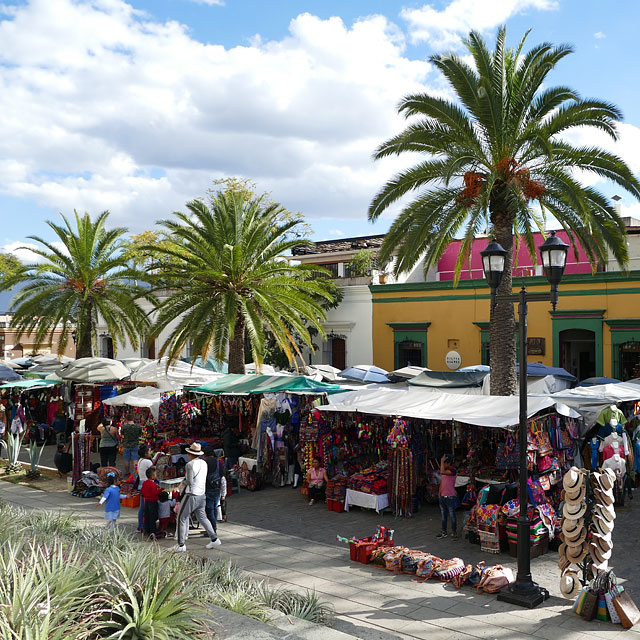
{"x":12,"y":447}
{"x":34,"y":459}
{"x":142,"y":598}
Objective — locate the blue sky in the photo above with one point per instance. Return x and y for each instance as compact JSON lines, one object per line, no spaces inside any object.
{"x":135,"y":107}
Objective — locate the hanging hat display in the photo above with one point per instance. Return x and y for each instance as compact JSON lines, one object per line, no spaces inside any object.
{"x":574,"y":510}
{"x":569,"y":584}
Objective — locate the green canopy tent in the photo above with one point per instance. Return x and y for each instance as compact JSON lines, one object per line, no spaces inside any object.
{"x":238,"y":384}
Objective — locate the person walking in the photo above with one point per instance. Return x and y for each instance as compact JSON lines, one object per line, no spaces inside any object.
{"x":230,"y":443}
{"x":448,"y":497}
{"x":193,"y":499}
{"x":108,"y":443}
{"x":130,"y":433}
{"x":213,"y":488}
{"x":144,"y":462}
{"x":111,"y":501}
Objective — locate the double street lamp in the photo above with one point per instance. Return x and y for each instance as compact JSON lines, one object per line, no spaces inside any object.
{"x":553,"y":253}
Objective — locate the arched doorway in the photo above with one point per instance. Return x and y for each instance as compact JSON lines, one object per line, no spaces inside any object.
{"x":578,"y":352}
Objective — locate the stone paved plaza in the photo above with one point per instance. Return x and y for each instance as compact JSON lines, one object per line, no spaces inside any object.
{"x":275,"y":535}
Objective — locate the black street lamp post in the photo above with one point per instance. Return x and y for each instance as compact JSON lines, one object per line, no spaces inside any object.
{"x":524,"y":591}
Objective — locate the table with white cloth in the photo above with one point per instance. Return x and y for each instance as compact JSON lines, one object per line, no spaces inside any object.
{"x":366,"y":500}
{"x":170,"y":484}
{"x":251,"y":462}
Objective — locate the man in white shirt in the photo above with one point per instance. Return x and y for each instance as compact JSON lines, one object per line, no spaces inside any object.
{"x":194,"y":499}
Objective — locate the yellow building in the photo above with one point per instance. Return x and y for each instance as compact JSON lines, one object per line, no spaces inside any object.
{"x":595,"y":330}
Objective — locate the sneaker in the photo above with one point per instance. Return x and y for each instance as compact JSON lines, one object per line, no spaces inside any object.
{"x":454,"y":536}
{"x":442,"y":534}
{"x":310,"y":502}
{"x":214,"y":543}
{"x":179,"y":548}
{"x":152,"y":536}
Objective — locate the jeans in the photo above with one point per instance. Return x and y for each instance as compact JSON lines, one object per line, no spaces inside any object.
{"x":211,"y":508}
{"x":108,"y":456}
{"x":141,"y":515}
{"x":150,"y":517}
{"x":130,"y":455}
{"x":317,"y":493}
{"x":448,"y":506}
{"x":193,"y":504}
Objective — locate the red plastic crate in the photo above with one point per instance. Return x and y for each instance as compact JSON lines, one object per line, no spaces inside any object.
{"x":132,"y":502}
{"x":335,"y":505}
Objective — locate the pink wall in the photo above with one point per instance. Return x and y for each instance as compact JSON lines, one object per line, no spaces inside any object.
{"x":447,"y":264}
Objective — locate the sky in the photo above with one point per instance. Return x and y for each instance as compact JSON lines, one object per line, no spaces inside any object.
{"x":136,"y":107}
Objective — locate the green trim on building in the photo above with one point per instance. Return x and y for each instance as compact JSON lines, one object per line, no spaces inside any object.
{"x":563,"y":293}
{"x":588,"y":319}
{"x":409,"y":326}
{"x":621,"y":324}
{"x":409,"y":332}
{"x":530,"y":281}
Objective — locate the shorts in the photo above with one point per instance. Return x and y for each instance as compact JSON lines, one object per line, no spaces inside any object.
{"x":111,"y":515}
{"x":130,"y":454}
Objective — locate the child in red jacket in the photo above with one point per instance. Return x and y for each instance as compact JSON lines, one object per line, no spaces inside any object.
{"x":150,"y":492}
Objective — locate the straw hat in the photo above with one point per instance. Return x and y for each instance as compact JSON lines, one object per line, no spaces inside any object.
{"x":604,"y":542}
{"x":604,"y":497}
{"x":577,"y":494}
{"x":600,"y":566}
{"x":562,"y":549}
{"x":606,"y":511}
{"x":563,"y":564}
{"x":576,"y":538}
{"x":195,"y":449}
{"x":604,"y":481}
{"x":569,"y":584}
{"x":572,"y":527}
{"x":574,"y":510}
{"x":572,"y":479}
{"x":602,"y":525}
{"x":576,"y":554}
{"x":598,"y":554}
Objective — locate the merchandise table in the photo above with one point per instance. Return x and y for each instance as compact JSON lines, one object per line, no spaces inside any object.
{"x":170,"y":484}
{"x":251,"y":462}
{"x":462,"y":481}
{"x":366,"y":500}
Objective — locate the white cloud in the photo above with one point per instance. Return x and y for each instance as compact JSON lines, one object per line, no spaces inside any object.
{"x":598,"y":35}
{"x":21,"y":250}
{"x":336,"y":233}
{"x":104,"y":108}
{"x":443,"y":28}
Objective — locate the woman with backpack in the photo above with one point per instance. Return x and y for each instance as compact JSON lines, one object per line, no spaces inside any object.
{"x":213,"y":487}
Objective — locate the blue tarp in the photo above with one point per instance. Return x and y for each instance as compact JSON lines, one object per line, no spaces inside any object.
{"x":536,"y":369}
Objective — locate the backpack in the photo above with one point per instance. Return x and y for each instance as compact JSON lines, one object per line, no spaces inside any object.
{"x":495,"y":578}
{"x":214,"y":479}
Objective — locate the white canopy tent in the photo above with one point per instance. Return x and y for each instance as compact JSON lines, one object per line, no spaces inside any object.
{"x":148,"y":397}
{"x":94,"y":370}
{"x":589,"y":402}
{"x":484,"y":411}
{"x":178,"y":375}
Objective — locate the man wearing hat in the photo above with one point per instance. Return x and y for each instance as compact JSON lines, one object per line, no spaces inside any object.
{"x":194,"y":499}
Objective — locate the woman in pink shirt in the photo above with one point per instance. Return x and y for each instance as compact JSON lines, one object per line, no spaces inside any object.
{"x":317,"y":481}
{"x":448,"y":497}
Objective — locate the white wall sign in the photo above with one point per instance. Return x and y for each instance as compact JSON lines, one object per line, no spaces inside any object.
{"x":453,"y":360}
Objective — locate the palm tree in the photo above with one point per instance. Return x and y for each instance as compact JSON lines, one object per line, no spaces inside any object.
{"x":228,"y":278}
{"x":500,"y":156}
{"x":83,"y":277}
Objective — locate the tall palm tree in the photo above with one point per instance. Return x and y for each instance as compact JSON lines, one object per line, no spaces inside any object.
{"x":82,"y":277}
{"x":228,"y":278}
{"x":499,"y":155}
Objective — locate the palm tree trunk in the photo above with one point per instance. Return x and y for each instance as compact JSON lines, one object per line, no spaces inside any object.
{"x":84,"y":343}
{"x":502,"y":332}
{"x":236,"y":347}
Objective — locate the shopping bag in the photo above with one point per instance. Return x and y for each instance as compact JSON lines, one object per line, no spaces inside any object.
{"x":626,"y":610}
{"x":586,"y":604}
{"x":602,"y":612}
{"x":615,"y":618}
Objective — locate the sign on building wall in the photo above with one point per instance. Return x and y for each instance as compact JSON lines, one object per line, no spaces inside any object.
{"x":453,"y":360}
{"x":535,"y":346}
